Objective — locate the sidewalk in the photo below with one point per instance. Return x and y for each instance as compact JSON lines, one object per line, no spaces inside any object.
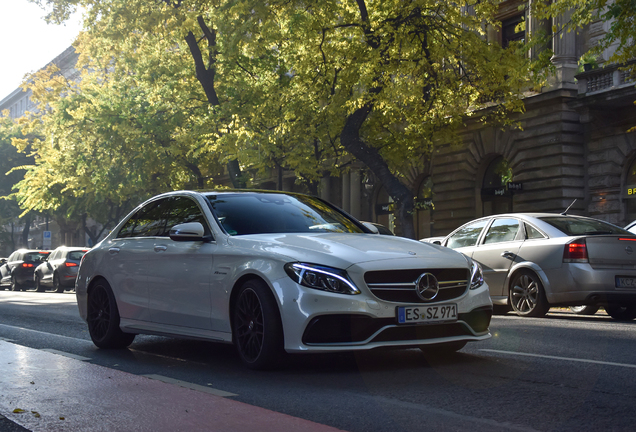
{"x":42,"y":391}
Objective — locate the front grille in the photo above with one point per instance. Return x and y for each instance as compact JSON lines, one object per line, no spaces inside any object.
{"x":399,"y":285}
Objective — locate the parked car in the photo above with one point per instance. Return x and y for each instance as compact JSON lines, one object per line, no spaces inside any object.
{"x":532,"y":261}
{"x":17,"y":272}
{"x":59,"y":270}
{"x":273,"y":273}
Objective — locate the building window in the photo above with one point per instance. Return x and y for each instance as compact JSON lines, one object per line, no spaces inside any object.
{"x":509,"y":31}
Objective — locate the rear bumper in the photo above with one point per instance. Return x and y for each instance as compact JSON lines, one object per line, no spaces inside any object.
{"x":580,"y":284}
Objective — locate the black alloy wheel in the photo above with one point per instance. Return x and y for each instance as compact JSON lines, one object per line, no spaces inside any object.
{"x":256,"y":325}
{"x":621,"y":313}
{"x":527,"y":296}
{"x":57,"y":286}
{"x":38,"y":286}
{"x":103,"y":318}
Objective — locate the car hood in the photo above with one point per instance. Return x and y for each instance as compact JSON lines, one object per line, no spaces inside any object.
{"x":344,"y":250}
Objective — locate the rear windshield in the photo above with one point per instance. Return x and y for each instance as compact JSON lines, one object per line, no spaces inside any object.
{"x":35,"y":256}
{"x":76,"y":255}
{"x":573,"y":226}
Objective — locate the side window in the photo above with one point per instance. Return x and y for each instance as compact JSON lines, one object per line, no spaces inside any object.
{"x":54,"y":255}
{"x":533,"y":233}
{"x":184,"y":210}
{"x":149,"y":221}
{"x":466,"y":236}
{"x":12,"y":256}
{"x":502,"y":230}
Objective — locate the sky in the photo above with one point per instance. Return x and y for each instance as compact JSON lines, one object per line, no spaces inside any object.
{"x":27,"y":42}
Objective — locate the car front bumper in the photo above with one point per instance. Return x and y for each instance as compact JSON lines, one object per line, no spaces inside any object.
{"x":319,"y":321}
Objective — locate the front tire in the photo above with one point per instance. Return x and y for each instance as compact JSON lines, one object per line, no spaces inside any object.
{"x":527,"y":296}
{"x":584,"y":310}
{"x":621,"y":313}
{"x":103,"y":318}
{"x":38,"y":285}
{"x":256,"y":326}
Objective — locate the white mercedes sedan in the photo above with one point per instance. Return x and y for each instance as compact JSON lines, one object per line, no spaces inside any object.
{"x":272,"y":273}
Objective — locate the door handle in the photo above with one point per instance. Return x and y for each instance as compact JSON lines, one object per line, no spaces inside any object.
{"x":508,"y":255}
{"x":160,"y":248}
{"x":113,"y":250}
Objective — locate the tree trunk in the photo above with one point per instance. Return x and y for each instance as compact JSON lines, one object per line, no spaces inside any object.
{"x":25,"y":230}
{"x":401,"y":194}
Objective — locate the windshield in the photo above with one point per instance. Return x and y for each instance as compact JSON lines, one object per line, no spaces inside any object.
{"x":573,"y":226}
{"x":261,"y":213}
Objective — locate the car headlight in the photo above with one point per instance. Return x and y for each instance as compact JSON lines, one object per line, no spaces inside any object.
{"x":476,"y":276}
{"x":321,"y":277}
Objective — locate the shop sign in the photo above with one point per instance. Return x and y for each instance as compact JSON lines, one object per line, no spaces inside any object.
{"x":381,"y":209}
{"x":506,"y":190}
{"x":630,"y":191}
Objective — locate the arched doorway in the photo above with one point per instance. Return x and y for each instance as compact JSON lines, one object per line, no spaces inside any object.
{"x":495,"y":196}
{"x":424,"y":214}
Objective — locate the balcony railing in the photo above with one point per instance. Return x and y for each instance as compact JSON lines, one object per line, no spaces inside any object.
{"x":603,"y":79}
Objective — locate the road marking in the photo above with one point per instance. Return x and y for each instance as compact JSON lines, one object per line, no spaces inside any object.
{"x":191,"y":386}
{"x":44,"y":333}
{"x":6,"y":339}
{"x":65,"y":354}
{"x":560,"y":358}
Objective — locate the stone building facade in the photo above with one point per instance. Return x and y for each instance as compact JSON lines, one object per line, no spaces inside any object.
{"x":573,"y":144}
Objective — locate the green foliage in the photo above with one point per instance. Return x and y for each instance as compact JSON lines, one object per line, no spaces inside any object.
{"x":171,"y":90}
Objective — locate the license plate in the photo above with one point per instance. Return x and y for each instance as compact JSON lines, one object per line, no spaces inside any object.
{"x":426,"y":314}
{"x":625,"y":282}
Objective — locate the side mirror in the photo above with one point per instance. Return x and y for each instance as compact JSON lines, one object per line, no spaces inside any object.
{"x":437,"y":242}
{"x":371,"y":227}
{"x":191,"y":231}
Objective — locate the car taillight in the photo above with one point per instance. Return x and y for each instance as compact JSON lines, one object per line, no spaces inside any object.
{"x":27,"y":265}
{"x":70,"y":264}
{"x":575,"y":252}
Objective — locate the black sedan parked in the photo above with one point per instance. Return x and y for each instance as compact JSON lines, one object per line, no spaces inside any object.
{"x":59,"y":271}
{"x":17,"y":272}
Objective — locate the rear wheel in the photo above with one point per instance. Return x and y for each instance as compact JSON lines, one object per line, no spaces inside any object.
{"x":621,"y":313}
{"x":256,"y":325}
{"x":527,"y":296}
{"x":57,"y":286}
{"x":38,"y":285}
{"x":103,"y":318}
{"x":584,"y":310}
{"x":15,"y":286}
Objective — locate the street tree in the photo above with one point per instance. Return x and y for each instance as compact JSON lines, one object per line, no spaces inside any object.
{"x":295,"y":82}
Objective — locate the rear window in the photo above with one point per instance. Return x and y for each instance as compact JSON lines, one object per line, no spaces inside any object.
{"x":35,"y":256}
{"x":76,"y":255}
{"x":573,"y":226}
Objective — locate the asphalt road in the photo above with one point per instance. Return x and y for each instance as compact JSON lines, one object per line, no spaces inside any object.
{"x":559,"y":373}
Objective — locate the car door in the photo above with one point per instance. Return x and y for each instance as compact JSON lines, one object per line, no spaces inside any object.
{"x":497,"y":250}
{"x":47,"y":269}
{"x":130,"y":259}
{"x":5,"y":270}
{"x":179,"y":287}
